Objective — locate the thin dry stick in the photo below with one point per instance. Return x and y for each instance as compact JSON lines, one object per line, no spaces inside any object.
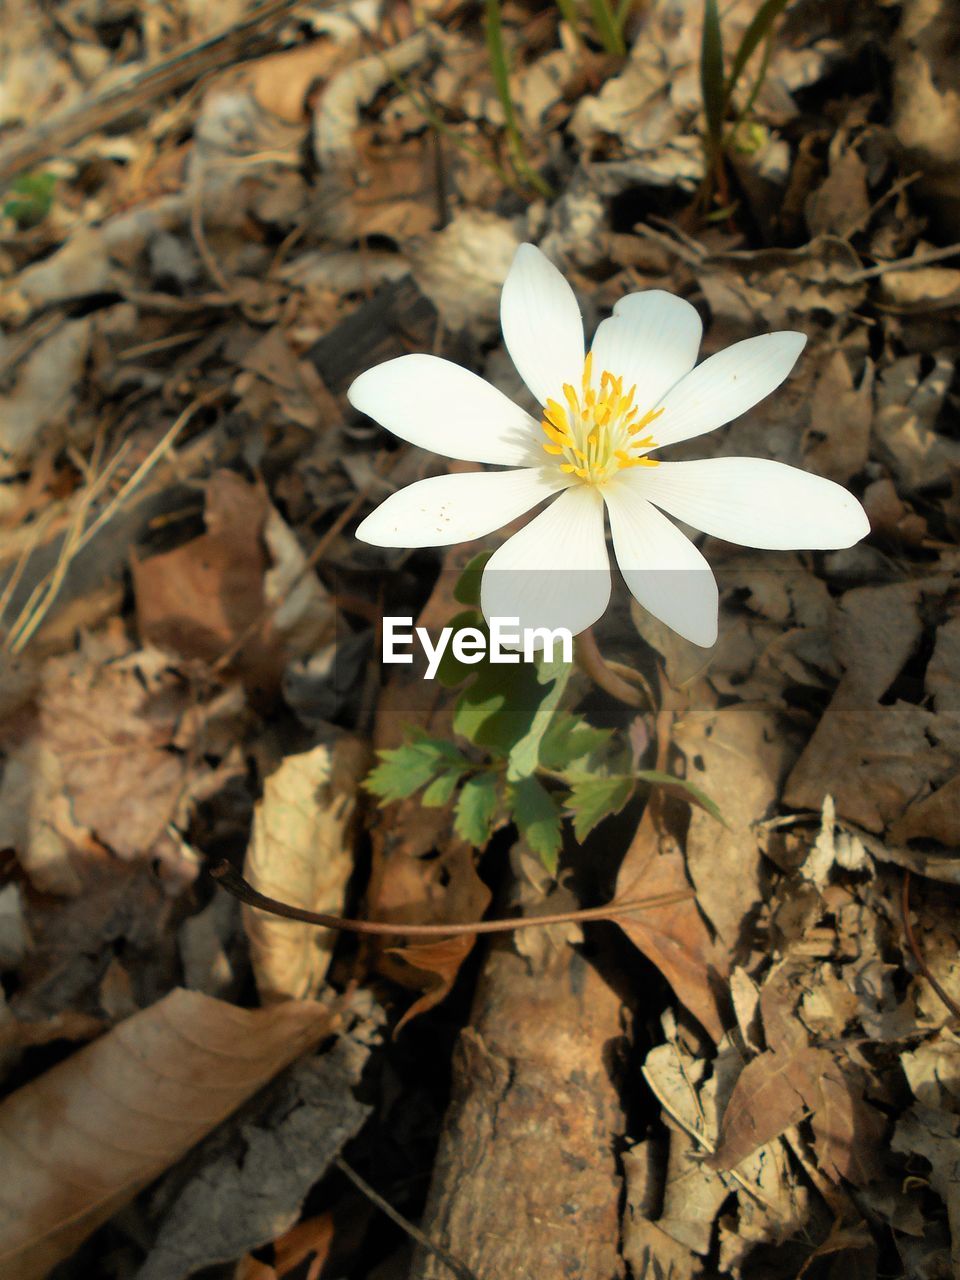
{"x":230,"y":879}
{"x":150,"y":461}
{"x":42,"y":597}
{"x":459,"y":1269}
{"x":77,"y":538}
{"x":186,"y":64}
{"x":903,"y":264}
{"x":915,"y":950}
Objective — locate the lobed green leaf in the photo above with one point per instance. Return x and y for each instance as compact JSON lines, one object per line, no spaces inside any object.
{"x":476,"y":809}
{"x":537,"y":816}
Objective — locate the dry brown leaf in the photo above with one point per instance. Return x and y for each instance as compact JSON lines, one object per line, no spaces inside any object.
{"x":301,"y":851}
{"x":841,"y":205}
{"x":791,"y":1080}
{"x":837,"y":442}
{"x":673,"y":937}
{"x":738,"y":756}
{"x":96,"y":765}
{"x":439,"y":963}
{"x":313,"y":1237}
{"x":847,"y":1132}
{"x":78,"y":1142}
{"x":772,"y":1093}
{"x":873,"y":752}
{"x":199,"y":599}
{"x":281,"y":82}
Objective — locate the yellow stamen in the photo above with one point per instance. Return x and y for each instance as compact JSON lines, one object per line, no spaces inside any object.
{"x":598,"y":432}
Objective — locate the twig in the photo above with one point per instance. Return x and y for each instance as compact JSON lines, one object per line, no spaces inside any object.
{"x":915,"y":950}
{"x":230,"y":879}
{"x":170,"y":74}
{"x":459,"y":1269}
{"x":902,"y":264}
{"x":77,"y":538}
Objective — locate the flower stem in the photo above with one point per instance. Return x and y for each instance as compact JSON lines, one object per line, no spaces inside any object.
{"x":230,"y":879}
{"x":611,"y":680}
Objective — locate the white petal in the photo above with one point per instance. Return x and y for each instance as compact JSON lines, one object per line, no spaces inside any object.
{"x":662,"y":568}
{"x":651,"y":341}
{"x":756,"y":502}
{"x":447,"y":509}
{"x":541,"y":323}
{"x":726,"y":385}
{"x":555,"y":571}
{"x":439,"y":406}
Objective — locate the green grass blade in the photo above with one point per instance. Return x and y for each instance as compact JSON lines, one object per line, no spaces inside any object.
{"x":759,"y":29}
{"x":712,"y":84}
{"x":607,"y":26}
{"x":501,"y":80}
{"x":568,"y":11}
{"x":754,"y":88}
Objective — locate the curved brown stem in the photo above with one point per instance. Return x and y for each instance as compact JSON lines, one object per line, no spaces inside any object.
{"x":915,"y":950}
{"x":230,"y":879}
{"x":602,"y":674}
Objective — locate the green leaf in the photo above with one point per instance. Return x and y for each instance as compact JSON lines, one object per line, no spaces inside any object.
{"x":31,"y":196}
{"x":467,"y":590}
{"x":538,"y":820}
{"x":759,"y":29}
{"x":681,"y":788}
{"x":450,"y":670}
{"x":500,"y":70}
{"x":497,"y":708}
{"x":568,"y":739}
{"x":405,"y":769}
{"x":593,"y":799}
{"x":712,"y":85}
{"x":607,"y":26}
{"x":525,"y":753}
{"x":441,"y":789}
{"x":476,"y":809}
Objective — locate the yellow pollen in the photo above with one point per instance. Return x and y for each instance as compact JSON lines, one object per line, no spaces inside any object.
{"x":598,"y":433}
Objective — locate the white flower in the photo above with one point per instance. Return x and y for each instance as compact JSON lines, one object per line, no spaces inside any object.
{"x":603,"y":416}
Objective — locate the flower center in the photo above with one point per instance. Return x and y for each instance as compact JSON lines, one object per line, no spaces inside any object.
{"x":598,"y":433}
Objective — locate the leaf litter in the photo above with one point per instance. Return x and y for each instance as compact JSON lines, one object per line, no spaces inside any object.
{"x":755,"y":1076}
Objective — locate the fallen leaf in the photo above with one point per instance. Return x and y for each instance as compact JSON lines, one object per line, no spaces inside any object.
{"x":673,"y":937}
{"x":738,"y":755}
{"x":96,"y":765}
{"x":439,"y":963}
{"x":249,"y":1182}
{"x":773,"y":1093}
{"x":43,"y":396}
{"x":301,"y":852}
{"x":934,"y":1135}
{"x":201,"y":599}
{"x":79,"y":1142}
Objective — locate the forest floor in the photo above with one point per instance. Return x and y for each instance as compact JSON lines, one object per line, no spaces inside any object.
{"x":212,"y":219}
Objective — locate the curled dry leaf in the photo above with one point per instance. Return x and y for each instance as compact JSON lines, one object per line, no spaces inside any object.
{"x":301,"y":852}
{"x":435,"y":966}
{"x":674,"y":937}
{"x":78,"y":1142}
